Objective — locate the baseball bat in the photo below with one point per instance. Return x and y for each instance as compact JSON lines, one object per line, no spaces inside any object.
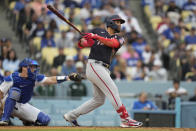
{"x":55,"y":11}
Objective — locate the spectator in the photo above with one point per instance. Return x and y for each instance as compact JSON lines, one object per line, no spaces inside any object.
{"x":193,"y":98}
{"x":37,"y":6}
{"x":159,"y":8}
{"x":138,"y":72}
{"x":175,"y":91}
{"x":131,"y":56}
{"x":4,"y":52}
{"x":146,"y":54}
{"x":169,"y":33}
{"x":115,"y":61}
{"x":94,"y":3}
{"x":58,"y":60}
{"x":63,"y":41}
{"x":120,"y":71}
{"x":161,"y":104}
{"x":44,"y":17}
{"x":131,"y":23}
{"x":163,"y":25}
{"x":131,"y":37}
{"x":48,"y":40}
{"x":12,"y":62}
{"x":19,"y":6}
{"x":191,"y":76}
{"x":7,"y":73}
{"x":68,"y":67}
{"x":189,"y":5}
{"x":192,"y":17}
{"x":77,"y":89}
{"x":175,"y":69}
{"x":139,"y":45}
{"x":53,"y":26}
{"x":80,"y":57}
{"x":39,"y":30}
{"x":143,"y":103}
{"x":173,"y":12}
{"x":158,"y":73}
{"x":191,"y":39}
{"x":1,"y":68}
{"x":80,"y":68}
{"x":85,"y":11}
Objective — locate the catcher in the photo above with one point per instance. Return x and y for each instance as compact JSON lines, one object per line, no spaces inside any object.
{"x":17,"y":90}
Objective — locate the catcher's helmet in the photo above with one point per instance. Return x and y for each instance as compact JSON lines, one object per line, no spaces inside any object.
{"x":110,"y":22}
{"x":25,"y":62}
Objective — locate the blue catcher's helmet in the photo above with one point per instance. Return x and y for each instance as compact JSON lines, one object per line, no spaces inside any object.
{"x":110,"y":22}
{"x":25,"y":62}
{"x":36,"y":70}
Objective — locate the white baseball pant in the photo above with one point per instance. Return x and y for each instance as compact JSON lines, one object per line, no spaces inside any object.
{"x":103,"y":86}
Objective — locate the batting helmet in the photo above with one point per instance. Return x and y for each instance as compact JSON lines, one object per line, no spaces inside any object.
{"x":110,"y":22}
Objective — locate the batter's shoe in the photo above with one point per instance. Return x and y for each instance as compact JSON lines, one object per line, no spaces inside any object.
{"x":4,"y":123}
{"x":128,"y":122}
{"x":72,"y":122}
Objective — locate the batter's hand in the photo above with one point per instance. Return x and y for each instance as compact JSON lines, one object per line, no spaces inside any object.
{"x":75,"y":77}
{"x":90,"y":36}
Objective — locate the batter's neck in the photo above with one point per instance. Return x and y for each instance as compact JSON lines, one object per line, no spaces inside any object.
{"x":110,"y":31}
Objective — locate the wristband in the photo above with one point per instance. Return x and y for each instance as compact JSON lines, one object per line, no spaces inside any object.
{"x":61,"y":79}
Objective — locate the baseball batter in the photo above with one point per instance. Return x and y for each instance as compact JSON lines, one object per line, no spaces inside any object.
{"x":104,"y":44}
{"x":17,"y":90}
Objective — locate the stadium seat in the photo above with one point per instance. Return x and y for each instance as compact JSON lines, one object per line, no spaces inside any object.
{"x":64,"y":27}
{"x":185,"y":14}
{"x":165,"y":7}
{"x":48,"y":54}
{"x":147,"y":11}
{"x":189,"y":25}
{"x":77,"y":11}
{"x":57,"y":36}
{"x":166,"y":43}
{"x":37,"y":42}
{"x":12,"y":5}
{"x":155,"y":20}
{"x":70,"y":51}
{"x":86,"y":51}
{"x":67,"y":11}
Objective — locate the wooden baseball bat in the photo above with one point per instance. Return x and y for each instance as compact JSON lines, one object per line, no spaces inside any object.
{"x":55,"y":11}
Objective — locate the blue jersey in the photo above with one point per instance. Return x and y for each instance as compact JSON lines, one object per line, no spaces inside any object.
{"x":26,"y":85}
{"x":148,"y":104}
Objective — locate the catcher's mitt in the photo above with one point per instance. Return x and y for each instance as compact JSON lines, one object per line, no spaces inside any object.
{"x":75,"y":77}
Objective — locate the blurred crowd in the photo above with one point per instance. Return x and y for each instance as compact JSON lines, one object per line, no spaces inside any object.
{"x":8,"y":58}
{"x":176,"y":31}
{"x":172,"y":58}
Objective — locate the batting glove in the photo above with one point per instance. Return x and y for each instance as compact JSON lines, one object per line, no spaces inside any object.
{"x":90,"y":36}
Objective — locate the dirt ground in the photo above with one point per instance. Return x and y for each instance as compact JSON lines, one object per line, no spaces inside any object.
{"x":94,"y":128}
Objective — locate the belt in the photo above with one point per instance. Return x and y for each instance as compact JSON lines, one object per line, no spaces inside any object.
{"x":102,"y":63}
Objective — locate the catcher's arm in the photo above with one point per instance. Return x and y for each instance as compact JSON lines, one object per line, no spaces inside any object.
{"x":60,"y":79}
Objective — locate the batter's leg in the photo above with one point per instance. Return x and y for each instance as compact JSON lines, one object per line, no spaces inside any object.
{"x":97,"y":100}
{"x":101,"y":77}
